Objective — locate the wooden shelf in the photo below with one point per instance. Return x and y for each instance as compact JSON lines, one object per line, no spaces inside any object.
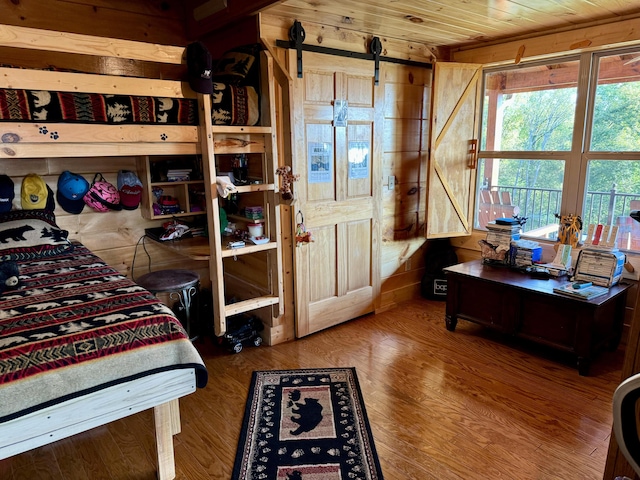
{"x":179,"y":189}
{"x":233,"y":252}
{"x":248,"y":305}
{"x":256,"y":187}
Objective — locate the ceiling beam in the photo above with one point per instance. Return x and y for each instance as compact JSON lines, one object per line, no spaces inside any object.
{"x":234,"y":11}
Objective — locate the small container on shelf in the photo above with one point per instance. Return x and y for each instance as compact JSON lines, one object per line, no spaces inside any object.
{"x":254,"y":213}
{"x":255,"y":229}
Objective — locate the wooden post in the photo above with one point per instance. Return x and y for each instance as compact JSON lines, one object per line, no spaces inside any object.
{"x":167,"y":423}
{"x":616,"y":464}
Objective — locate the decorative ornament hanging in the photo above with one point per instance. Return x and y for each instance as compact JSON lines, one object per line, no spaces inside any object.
{"x":302,"y":234}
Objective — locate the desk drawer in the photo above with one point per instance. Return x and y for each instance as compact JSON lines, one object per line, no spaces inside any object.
{"x":482,"y":302}
{"x":547,"y":320}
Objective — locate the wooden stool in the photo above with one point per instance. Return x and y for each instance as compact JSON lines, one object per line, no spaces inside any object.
{"x":182,"y":284}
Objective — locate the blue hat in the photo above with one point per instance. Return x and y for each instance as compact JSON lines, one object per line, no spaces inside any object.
{"x":7,"y":193}
{"x":71,"y":190}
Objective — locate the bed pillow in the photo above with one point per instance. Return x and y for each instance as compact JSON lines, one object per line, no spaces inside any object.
{"x":239,"y":66}
{"x":30,"y":235}
{"x":231,"y":105}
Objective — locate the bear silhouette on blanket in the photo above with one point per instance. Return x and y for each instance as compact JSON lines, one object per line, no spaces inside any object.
{"x":15,"y":234}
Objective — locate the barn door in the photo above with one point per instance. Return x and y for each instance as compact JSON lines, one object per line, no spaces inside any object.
{"x":452,"y":168}
{"x":337,"y":113}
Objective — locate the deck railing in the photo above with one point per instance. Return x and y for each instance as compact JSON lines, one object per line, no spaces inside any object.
{"x":540,"y":206}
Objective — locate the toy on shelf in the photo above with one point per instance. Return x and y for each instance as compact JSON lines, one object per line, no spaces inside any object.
{"x":569,"y":229}
{"x":287,"y":181}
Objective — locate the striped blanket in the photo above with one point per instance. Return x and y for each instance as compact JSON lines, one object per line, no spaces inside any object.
{"x":75,"y":325}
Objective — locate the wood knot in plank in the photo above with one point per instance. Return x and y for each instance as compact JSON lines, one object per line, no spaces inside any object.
{"x":10,"y":138}
{"x":232,"y":142}
{"x":9,"y":152}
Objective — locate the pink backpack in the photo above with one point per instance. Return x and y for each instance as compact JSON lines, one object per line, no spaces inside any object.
{"x":102,"y":196}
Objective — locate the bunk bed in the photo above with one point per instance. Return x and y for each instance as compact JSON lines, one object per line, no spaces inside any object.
{"x":81,"y":345}
{"x":53,"y":112}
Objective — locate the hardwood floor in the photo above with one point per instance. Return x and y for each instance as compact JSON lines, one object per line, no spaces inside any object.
{"x":464,"y":405}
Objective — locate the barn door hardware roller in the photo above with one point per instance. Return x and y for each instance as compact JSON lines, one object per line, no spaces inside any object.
{"x":297,"y":35}
{"x":296,"y":41}
{"x":376,"y":48}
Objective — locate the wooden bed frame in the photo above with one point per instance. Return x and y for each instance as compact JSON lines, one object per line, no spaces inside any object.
{"x":160,"y":391}
{"x":22,"y":140}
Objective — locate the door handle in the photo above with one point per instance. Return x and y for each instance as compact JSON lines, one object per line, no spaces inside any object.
{"x":472,"y":154}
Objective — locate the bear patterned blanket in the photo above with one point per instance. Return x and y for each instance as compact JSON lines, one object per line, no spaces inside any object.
{"x":230,"y":105}
{"x":75,"y":325}
{"x":43,"y":105}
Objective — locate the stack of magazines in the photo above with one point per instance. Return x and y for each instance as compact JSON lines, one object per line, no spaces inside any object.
{"x":179,"y":175}
{"x":585,"y":291}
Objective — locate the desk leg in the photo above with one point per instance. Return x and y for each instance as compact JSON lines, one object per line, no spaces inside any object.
{"x":583,"y":366}
{"x":451,"y":322}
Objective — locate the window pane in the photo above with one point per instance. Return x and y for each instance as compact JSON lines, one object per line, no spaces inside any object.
{"x":613,"y":191}
{"x":530,"y":109}
{"x":616,"y":123}
{"x":529,"y":188}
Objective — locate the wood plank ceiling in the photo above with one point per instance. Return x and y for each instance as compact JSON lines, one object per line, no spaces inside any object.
{"x":445,"y":23}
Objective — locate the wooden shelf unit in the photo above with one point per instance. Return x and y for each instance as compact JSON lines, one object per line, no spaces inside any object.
{"x":178,"y":189}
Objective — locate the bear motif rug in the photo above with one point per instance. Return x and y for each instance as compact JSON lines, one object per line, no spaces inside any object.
{"x":307,"y":424}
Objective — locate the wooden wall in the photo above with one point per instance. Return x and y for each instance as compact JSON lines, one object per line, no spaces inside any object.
{"x":407,"y":91}
{"x":406,"y":113}
{"x":111,"y":235}
{"x":154,"y":21}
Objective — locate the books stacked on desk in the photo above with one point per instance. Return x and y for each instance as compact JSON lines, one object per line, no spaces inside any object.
{"x":496,"y":247}
{"x":527,"y":252}
{"x":503,"y":231}
{"x":584,"y":291}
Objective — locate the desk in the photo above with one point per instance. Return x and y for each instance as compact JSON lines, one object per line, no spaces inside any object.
{"x":517,"y":304}
{"x":195,"y":248}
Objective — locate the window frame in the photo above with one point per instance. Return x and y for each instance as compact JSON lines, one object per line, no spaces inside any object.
{"x":577,"y":158}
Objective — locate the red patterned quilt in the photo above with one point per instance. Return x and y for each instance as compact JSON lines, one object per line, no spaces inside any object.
{"x":46,"y":106}
{"x":76,"y":325}
{"x":231,"y":105}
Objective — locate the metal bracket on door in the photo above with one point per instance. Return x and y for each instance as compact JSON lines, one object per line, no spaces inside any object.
{"x":297,"y":35}
{"x":376,"y":48}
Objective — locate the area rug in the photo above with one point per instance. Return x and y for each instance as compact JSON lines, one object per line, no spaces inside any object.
{"x":306,"y":424}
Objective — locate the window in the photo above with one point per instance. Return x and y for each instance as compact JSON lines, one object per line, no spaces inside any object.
{"x":562,"y":137}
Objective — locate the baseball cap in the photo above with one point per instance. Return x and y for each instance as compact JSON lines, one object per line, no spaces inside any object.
{"x":130,"y":189}
{"x":6,"y":193}
{"x":71,"y":190}
{"x":199,"y":66}
{"x":36,"y":194}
